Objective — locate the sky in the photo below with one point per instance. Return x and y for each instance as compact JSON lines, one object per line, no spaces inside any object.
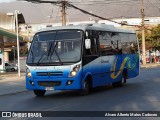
{"x":6,"y":0}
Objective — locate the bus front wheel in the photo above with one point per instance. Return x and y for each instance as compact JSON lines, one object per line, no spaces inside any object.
{"x":39,"y":93}
{"x":86,"y":89}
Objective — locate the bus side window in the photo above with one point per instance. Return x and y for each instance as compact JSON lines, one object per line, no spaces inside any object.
{"x":133,"y":43}
{"x":105,"y":43}
{"x":125,"y":43}
{"x":94,"y":43}
{"x":116,"y":43}
{"x":93,"y":47}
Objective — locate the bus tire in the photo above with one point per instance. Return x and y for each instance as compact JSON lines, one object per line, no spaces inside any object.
{"x":86,"y":89}
{"x":39,"y":93}
{"x":122,"y":82}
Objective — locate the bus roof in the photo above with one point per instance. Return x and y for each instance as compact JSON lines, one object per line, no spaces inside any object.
{"x":101,"y":27}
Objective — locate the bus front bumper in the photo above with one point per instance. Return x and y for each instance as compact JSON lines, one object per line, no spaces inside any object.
{"x":73,"y":83}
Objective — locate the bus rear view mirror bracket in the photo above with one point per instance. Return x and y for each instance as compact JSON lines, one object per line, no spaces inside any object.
{"x":88,"y":43}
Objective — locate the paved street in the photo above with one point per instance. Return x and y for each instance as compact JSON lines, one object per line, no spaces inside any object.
{"x":140,"y":94}
{"x":10,"y":83}
{"x":70,"y":40}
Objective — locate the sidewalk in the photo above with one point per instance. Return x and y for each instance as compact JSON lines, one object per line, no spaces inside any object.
{"x":12,"y":74}
{"x":149,"y":65}
{"x":11,"y":84}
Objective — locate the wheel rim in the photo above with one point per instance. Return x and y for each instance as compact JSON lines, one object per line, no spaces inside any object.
{"x":86,"y":85}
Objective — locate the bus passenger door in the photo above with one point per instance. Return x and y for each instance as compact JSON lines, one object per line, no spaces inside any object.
{"x":105,"y":55}
{"x":110,"y":47}
{"x":91,"y":59}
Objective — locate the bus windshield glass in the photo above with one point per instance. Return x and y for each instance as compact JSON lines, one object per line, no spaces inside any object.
{"x":55,"y":47}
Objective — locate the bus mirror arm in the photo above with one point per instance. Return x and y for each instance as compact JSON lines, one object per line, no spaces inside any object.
{"x":86,"y":34}
{"x":88,"y":43}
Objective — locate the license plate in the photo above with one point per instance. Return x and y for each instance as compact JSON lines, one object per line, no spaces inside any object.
{"x":49,"y":88}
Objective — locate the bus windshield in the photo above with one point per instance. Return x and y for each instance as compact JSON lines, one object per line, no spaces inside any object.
{"x":55,"y":47}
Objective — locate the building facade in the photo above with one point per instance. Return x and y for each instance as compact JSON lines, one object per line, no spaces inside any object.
{"x":8,"y":36}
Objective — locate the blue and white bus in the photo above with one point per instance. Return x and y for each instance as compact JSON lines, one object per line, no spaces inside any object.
{"x":81,"y":57}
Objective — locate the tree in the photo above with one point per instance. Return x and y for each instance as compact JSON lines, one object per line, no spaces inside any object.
{"x":155,"y":36}
{"x":152,"y":37}
{"x":147,"y":39}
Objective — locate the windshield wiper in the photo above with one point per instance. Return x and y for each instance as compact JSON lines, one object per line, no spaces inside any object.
{"x":48,"y":51}
{"x":54,"y":50}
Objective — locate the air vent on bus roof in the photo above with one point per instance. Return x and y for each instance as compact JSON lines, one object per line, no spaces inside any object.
{"x":98,"y":25}
{"x":86,"y":24}
{"x":104,"y":26}
{"x":48,"y":25}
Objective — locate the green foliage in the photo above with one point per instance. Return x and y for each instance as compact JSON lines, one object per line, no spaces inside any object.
{"x":152,"y":37}
{"x":155,"y":36}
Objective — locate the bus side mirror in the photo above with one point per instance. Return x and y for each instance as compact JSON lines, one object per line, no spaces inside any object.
{"x":88,"y":43}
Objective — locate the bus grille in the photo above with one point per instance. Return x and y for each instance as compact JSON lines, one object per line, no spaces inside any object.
{"x":49,"y":83}
{"x":49,"y":73}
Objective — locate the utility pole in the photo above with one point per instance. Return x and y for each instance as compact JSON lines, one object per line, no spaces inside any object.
{"x":63,"y":11}
{"x":143,"y":34}
{"x":16,"y":15}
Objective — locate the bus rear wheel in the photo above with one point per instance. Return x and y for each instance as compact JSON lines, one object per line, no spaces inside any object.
{"x":120,"y":83}
{"x":39,"y":93}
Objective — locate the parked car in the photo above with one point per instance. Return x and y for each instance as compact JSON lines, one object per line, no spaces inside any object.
{"x":10,"y":67}
{"x":148,"y":60}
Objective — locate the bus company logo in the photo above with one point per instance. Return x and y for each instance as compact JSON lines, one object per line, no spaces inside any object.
{"x":40,"y":68}
{"x":127,"y":62}
{"x":6,"y":114}
{"x":56,"y":68}
{"x":114,"y":75}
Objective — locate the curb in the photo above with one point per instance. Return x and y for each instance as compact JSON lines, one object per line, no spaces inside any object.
{"x":11,"y":78}
{"x":150,"y":66}
{"x":14,"y":93}
{"x":12,"y":75}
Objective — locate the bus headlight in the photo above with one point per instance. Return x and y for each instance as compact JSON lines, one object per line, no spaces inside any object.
{"x":74,"y":71}
{"x":28,"y":73}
